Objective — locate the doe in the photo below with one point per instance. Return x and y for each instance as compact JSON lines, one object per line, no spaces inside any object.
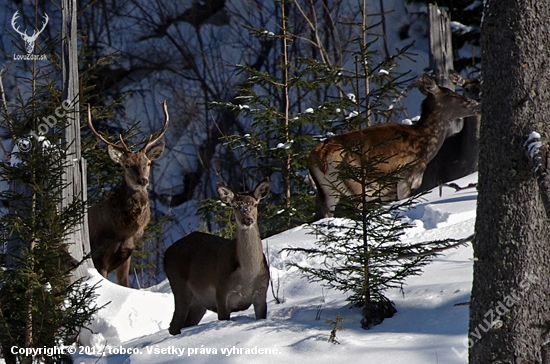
{"x":458,"y":155}
{"x":396,"y":144}
{"x":207,"y":272}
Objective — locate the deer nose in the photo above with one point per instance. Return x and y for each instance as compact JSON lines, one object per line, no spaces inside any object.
{"x":247,"y":221}
{"x":143,"y":181}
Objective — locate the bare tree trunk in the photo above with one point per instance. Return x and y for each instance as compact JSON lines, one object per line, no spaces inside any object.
{"x":441,"y":48}
{"x":509,"y":305}
{"x":441,"y":54}
{"x":75,"y":174}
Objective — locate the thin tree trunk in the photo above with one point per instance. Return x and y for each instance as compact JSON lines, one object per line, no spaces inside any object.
{"x":78,"y":241}
{"x":286,"y":103}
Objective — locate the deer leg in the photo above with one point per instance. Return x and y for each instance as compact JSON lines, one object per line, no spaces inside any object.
{"x":417,"y":180}
{"x":404,"y":186}
{"x":182,"y":303}
{"x":329,"y":205}
{"x":260,"y":305}
{"x":123,"y":271}
{"x":224,"y":312}
{"x":194,"y":314}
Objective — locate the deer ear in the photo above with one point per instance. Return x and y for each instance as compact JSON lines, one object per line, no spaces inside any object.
{"x":115,"y":154}
{"x":429,"y":84}
{"x":456,"y":78}
{"x":155,"y":152}
{"x":262,"y":189}
{"x":225,"y":193}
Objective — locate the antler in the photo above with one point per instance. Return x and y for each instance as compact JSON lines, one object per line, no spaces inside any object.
{"x":36,"y":34}
{"x":15,"y":16}
{"x":151,"y":141}
{"x":122,"y":147}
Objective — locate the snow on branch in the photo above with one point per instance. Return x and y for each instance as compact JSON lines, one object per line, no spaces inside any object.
{"x":538,"y":153}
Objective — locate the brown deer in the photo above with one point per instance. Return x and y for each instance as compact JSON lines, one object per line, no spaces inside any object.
{"x":207,"y":272}
{"x":458,"y":154}
{"x":398,"y":145}
{"x":117,"y":222}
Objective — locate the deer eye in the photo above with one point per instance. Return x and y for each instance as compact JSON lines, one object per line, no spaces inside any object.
{"x":126,"y":166}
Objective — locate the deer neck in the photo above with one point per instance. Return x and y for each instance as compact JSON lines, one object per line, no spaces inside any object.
{"x":249,"y":247}
{"x":471,"y":128}
{"x":133,"y":205}
{"x":432,"y":129}
{"x":129,"y":194}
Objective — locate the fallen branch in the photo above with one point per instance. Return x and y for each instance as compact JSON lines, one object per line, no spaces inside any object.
{"x":456,"y":187}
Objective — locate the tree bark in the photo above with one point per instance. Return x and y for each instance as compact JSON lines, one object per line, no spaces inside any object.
{"x":510,"y":300}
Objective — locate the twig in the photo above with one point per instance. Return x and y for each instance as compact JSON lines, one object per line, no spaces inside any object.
{"x":274,"y":292}
{"x":320,"y":305}
{"x":462,"y":304}
{"x":456,"y":187}
{"x":137,"y":278}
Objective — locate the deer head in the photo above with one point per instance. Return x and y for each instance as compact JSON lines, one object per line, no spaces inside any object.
{"x":136,"y":165}
{"x":29,"y":40}
{"x":244,"y":204}
{"x":471,"y":87}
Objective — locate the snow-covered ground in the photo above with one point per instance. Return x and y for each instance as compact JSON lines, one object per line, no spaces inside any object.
{"x":428,"y":327}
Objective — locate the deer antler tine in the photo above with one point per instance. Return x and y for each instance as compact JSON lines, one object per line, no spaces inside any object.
{"x":152,"y":141}
{"x":46,"y":18}
{"x":123,"y":144}
{"x":15,"y":27}
{"x":91,"y":125}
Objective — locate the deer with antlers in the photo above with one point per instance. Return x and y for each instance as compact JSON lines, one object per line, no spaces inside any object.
{"x":207,"y":272}
{"x":117,"y":222}
{"x":397,"y":145}
{"x":29,"y":40}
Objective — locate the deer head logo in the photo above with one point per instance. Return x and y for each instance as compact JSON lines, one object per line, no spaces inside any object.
{"x":29,"y":40}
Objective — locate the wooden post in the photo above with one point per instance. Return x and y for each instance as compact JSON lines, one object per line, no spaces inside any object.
{"x":441,"y":53}
{"x":75,"y":175}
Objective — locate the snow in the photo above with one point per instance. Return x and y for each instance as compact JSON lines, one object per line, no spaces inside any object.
{"x":427,"y":328}
{"x":533,"y":144}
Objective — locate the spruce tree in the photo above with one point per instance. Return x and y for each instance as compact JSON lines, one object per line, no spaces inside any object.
{"x":361,"y":250}
{"x":39,"y":306}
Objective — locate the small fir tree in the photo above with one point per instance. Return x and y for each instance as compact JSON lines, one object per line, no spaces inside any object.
{"x":336,"y":326}
{"x":39,"y":307}
{"x":361,"y":252}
